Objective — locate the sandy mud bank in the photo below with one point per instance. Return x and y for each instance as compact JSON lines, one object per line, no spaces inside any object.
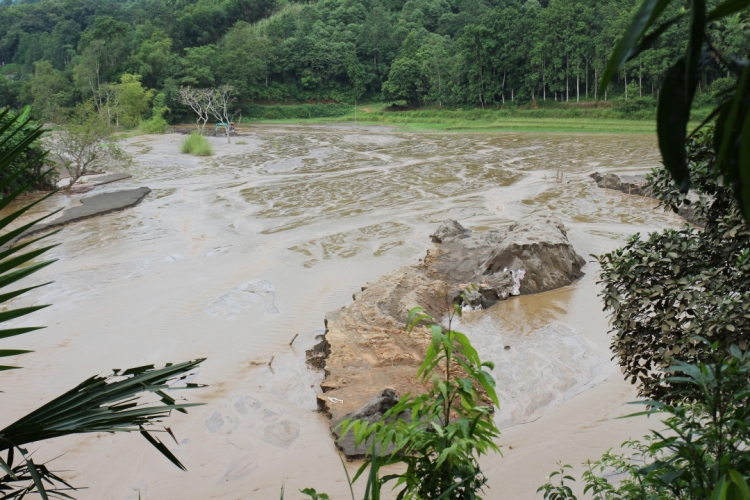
{"x":366,"y":348}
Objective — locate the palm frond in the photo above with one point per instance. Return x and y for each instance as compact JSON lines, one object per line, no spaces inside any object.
{"x":17,"y":137}
{"x":132,"y":400}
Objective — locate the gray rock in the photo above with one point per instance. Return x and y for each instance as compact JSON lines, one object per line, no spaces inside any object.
{"x":637,"y":185}
{"x":373,"y":411}
{"x":630,"y":184}
{"x":376,"y":407}
{"x":93,"y":206}
{"x":539,"y":245}
{"x":449,"y":229}
{"x":367,"y":348}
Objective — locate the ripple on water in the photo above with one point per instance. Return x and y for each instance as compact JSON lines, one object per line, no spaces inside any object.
{"x":534,"y":371}
{"x":350,"y":243}
{"x":260,"y":293}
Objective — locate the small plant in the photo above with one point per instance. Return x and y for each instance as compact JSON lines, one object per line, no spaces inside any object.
{"x":560,"y":491}
{"x":438,"y":435}
{"x":197,"y":145}
{"x":314,"y":495}
{"x":241,"y":142}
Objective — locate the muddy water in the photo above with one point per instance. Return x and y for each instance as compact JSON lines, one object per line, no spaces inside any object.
{"x":231,"y":256}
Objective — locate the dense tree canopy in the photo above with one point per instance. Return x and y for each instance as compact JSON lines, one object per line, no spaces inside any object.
{"x":56,"y":53}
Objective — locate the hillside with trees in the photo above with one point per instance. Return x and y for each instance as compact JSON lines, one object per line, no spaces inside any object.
{"x":478,"y":53}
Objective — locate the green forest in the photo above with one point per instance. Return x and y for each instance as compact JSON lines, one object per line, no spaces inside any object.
{"x":135,"y":55}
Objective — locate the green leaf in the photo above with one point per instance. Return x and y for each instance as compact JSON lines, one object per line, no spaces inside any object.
{"x":726,"y":122}
{"x":37,"y":481}
{"x":162,"y":448}
{"x":4,"y":353}
{"x":672,"y":118}
{"x":12,"y":332}
{"x":7,"y":467}
{"x":695,"y":49}
{"x":648,"y":41}
{"x":647,"y":13}
{"x":727,"y":8}
{"x":740,"y":483}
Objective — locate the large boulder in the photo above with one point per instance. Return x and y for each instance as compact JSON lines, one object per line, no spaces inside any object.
{"x":366,"y":346}
{"x":538,"y":244}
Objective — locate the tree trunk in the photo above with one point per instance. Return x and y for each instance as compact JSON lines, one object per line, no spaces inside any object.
{"x":578,"y":83}
{"x":640,"y":80}
{"x":481,"y":78}
{"x":567,"y":79}
{"x":440,"y":98}
{"x":502,"y":88}
{"x":587,"y":78}
{"x":596,"y":84}
{"x":626,"y":85}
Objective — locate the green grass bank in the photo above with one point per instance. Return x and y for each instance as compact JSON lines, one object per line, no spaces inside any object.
{"x":634,"y":117}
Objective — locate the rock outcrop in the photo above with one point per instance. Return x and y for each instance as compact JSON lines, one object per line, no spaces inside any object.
{"x":366,"y":347}
{"x":638,"y":185}
{"x":629,"y":184}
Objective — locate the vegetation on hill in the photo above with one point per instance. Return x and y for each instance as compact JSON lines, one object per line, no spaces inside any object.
{"x":480,"y":53}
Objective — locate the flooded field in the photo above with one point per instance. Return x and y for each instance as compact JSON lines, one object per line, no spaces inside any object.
{"x":229,"y":257}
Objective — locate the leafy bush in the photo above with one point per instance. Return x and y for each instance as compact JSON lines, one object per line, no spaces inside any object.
{"x":438,"y":435}
{"x":669,"y":289}
{"x":197,"y":145}
{"x":704,"y":451}
{"x":156,"y":124}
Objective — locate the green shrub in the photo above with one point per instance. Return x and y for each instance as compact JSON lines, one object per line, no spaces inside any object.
{"x":671,"y":288}
{"x":154,"y":125}
{"x":197,"y":145}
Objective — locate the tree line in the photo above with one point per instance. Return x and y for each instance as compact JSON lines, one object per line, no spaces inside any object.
{"x":125,"y":55}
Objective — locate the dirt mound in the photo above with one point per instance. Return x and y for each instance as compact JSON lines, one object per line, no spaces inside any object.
{"x":366,"y":347}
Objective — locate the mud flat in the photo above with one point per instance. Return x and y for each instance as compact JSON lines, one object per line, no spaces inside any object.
{"x":89,"y":182}
{"x":233,"y":255}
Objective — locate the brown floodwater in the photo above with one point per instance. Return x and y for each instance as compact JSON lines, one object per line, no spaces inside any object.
{"x":229,"y":257}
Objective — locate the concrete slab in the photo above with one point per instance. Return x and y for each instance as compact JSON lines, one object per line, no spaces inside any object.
{"x":93,"y":206}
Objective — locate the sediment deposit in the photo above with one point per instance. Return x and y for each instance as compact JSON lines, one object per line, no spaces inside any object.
{"x":366,"y":348}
